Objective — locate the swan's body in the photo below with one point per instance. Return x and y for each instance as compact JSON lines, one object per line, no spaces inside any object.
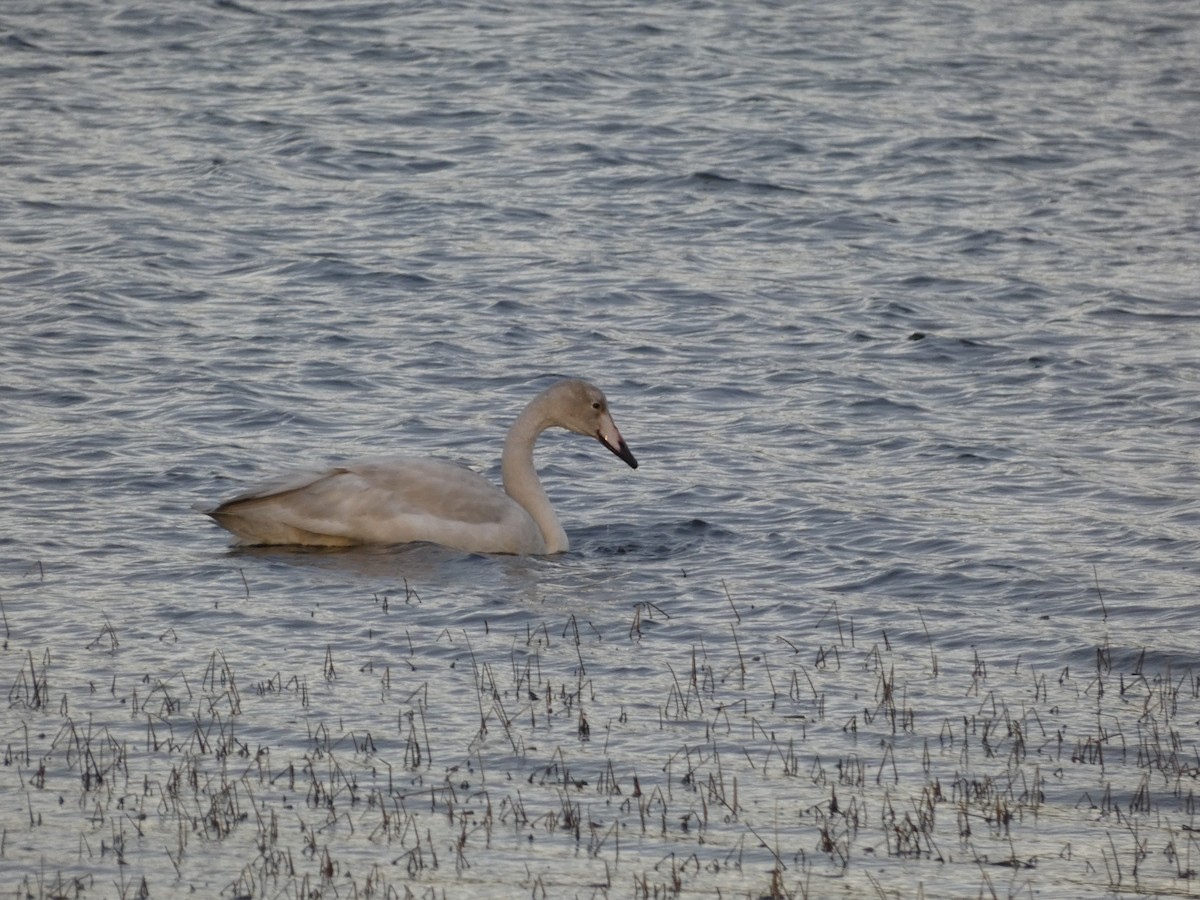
{"x":403,"y":499}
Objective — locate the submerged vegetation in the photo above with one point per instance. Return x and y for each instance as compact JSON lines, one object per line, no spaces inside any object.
{"x":571,"y":758}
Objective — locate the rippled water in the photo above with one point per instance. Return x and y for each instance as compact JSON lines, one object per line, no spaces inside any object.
{"x":895,"y":303}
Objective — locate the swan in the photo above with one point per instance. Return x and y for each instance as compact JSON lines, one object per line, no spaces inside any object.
{"x":400,"y":500}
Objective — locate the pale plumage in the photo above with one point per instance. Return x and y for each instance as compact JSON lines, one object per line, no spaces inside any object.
{"x":403,"y":499}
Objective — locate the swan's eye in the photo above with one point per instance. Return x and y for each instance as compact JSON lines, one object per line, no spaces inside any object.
{"x":596,"y":404}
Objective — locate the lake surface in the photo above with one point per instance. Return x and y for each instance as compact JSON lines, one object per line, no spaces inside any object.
{"x":896,"y":304}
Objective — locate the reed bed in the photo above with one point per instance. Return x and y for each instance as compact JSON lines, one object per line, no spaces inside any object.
{"x":569,"y":758}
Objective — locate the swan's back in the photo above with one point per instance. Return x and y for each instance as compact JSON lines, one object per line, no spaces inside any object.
{"x":384,"y":501}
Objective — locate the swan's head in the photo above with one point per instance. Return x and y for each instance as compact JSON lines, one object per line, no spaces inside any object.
{"x":582,"y":408}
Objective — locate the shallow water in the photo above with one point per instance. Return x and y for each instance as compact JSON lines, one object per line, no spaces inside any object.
{"x":895,"y":305}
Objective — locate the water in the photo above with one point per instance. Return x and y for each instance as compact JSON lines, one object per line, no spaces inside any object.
{"x":894,"y":303}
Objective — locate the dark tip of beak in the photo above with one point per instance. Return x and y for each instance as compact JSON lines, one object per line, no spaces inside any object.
{"x":622,"y":450}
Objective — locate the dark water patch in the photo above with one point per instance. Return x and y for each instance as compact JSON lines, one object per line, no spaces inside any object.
{"x":875,"y":405}
{"x":716,"y":181}
{"x":16,"y":42}
{"x":662,"y":540}
{"x":950,"y":145}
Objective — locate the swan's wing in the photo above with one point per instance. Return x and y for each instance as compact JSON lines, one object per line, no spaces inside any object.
{"x":394,"y":500}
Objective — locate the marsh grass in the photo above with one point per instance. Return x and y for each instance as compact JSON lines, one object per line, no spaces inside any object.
{"x":569,"y":758}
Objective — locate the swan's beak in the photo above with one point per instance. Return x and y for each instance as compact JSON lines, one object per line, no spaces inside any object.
{"x":611,"y":438}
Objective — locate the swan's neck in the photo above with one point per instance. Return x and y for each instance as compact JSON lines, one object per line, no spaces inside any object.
{"x":521,"y":479}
